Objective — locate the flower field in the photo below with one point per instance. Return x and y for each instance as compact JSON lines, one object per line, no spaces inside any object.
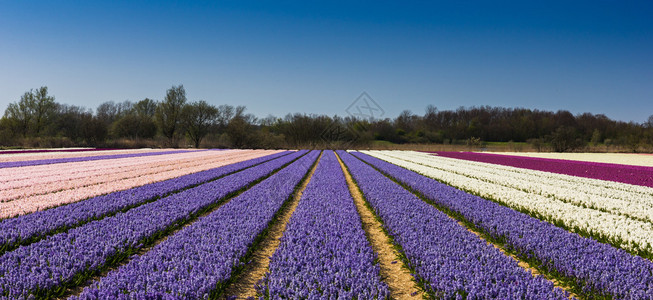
{"x":633,"y":159}
{"x":640,"y":174}
{"x":274,"y":224}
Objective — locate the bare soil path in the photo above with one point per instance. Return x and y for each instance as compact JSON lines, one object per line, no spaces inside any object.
{"x":393,"y":271}
{"x":243,"y":286}
{"x":163,"y":236}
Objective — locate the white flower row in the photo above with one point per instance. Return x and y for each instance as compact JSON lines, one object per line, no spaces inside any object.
{"x":610,"y":189}
{"x":603,"y":195}
{"x":634,"y":159}
{"x":578,"y":190}
{"x":605,"y":198}
{"x":620,"y":229}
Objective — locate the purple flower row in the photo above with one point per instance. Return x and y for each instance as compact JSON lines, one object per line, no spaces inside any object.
{"x":324,"y":252}
{"x":195,"y":262}
{"x":598,"y":269}
{"x":636,"y":175}
{"x":43,"y":267}
{"x":29,"y":163}
{"x":451,"y":261}
{"x":23,"y":229}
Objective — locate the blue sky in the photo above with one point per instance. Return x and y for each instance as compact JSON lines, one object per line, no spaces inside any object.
{"x":277,"y":57}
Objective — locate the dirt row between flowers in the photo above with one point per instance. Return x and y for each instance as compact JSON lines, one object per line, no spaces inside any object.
{"x":173,"y":229}
{"x":534,"y":271}
{"x":393,"y":271}
{"x":244,"y":285}
{"x":75,"y":291}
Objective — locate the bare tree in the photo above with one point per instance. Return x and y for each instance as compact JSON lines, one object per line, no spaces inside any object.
{"x":109,"y":112}
{"x":431,"y":117}
{"x":225,"y":113}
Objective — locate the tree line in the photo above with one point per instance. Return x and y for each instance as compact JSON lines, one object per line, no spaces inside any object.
{"x":37,"y":120}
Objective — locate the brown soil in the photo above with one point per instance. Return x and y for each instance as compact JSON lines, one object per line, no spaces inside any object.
{"x":243,"y":285}
{"x":393,"y":271}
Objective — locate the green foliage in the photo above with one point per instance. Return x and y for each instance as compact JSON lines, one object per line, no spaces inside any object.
{"x":168,"y":113}
{"x":32,"y":114}
{"x":565,"y":139}
{"x":198,"y":119}
{"x":93,"y":131}
{"x":145,"y":108}
{"x":37,"y":120}
{"x":134,"y":126}
{"x":537,"y":143}
{"x":43,"y":108}
{"x":596,"y":137}
{"x":238,"y":131}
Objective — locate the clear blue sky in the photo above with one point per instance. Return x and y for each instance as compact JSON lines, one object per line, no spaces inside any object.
{"x":277,"y":57}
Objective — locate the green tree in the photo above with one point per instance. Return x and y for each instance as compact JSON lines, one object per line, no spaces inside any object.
{"x":19,"y":115}
{"x":43,"y":108}
{"x":93,"y":130}
{"x":240,"y":127}
{"x":135,"y":121}
{"x":237,"y":130}
{"x":565,"y":139}
{"x":537,"y":143}
{"x":145,"y":108}
{"x":596,"y":137}
{"x":198,"y":118}
{"x":68,"y":121}
{"x":34,"y":111}
{"x":134,"y":126}
{"x":168,"y":113}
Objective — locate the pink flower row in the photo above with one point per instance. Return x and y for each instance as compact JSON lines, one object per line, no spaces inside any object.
{"x":32,"y":175}
{"x":31,"y":204}
{"x":23,"y":172}
{"x":51,"y":155}
{"x":142,"y":167}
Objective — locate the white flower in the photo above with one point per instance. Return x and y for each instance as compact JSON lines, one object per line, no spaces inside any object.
{"x":619,"y":212}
